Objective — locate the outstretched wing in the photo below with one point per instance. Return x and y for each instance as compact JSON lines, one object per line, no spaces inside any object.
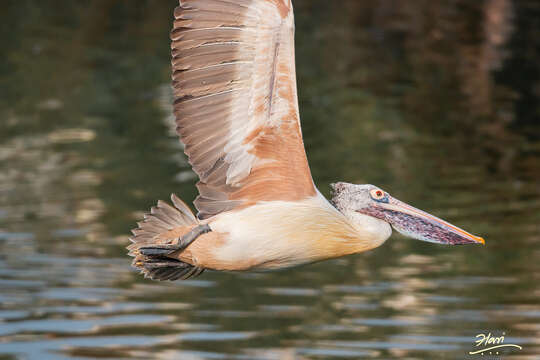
{"x":236,"y":104}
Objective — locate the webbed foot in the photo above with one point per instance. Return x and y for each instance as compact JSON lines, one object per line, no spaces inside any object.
{"x":183,"y":242}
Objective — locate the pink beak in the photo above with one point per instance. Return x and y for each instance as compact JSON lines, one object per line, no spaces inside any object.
{"x":420,"y":225}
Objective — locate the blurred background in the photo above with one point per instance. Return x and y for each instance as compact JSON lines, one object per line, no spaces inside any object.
{"x":437,"y":102}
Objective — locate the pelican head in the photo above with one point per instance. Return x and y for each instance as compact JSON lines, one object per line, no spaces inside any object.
{"x":367,"y":203}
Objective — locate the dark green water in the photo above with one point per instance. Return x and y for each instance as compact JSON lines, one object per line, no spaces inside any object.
{"x":436,"y":102}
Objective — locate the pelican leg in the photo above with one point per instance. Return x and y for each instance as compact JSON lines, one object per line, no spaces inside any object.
{"x":183,"y":242}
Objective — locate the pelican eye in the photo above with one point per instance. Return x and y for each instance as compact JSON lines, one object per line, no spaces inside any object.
{"x":378,"y":195}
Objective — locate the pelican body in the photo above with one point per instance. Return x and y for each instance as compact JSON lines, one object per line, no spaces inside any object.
{"x":236,"y":109}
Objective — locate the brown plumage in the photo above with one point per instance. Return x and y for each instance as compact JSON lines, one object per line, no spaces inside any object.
{"x":235,"y":102}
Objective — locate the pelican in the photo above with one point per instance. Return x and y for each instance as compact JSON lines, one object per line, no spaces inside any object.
{"x":236,"y":109}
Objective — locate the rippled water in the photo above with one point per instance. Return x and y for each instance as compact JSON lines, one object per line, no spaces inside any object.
{"x":435,"y":102}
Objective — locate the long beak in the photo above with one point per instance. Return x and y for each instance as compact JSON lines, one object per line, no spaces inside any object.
{"x":420,"y":225}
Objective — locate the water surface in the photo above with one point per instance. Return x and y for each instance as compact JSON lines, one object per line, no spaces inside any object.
{"x":435,"y":102}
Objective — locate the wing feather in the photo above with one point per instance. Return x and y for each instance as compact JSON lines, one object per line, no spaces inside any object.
{"x":236,"y":105}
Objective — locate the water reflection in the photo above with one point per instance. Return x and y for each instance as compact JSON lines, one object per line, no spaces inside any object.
{"x":442,"y":96}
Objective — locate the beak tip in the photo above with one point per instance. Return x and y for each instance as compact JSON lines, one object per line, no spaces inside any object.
{"x":480,"y":240}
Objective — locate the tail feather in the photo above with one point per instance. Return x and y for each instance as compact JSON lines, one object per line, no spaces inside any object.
{"x":185,"y":211}
{"x":161,"y":219}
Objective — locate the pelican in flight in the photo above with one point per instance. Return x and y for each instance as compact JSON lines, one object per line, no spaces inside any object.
{"x":236,"y":108}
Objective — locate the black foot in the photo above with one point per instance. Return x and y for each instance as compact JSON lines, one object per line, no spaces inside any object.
{"x":172,"y":271}
{"x":183,"y":242}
